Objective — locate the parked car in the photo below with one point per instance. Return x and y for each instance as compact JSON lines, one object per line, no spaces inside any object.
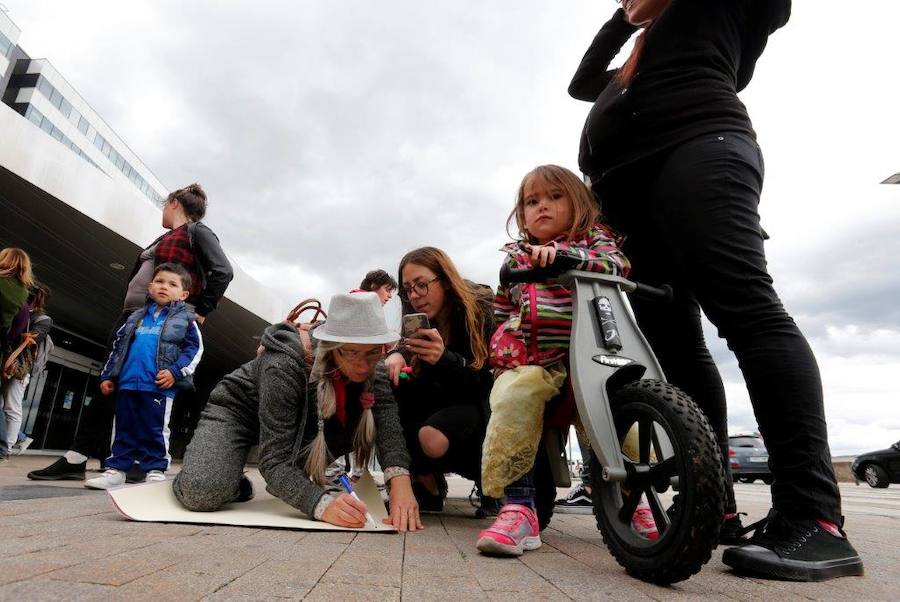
{"x":878,"y":468}
{"x":749,"y":458}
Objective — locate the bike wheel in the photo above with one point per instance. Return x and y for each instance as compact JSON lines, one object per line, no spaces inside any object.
{"x":677,"y":449}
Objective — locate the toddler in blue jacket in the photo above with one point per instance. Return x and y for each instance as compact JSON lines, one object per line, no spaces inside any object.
{"x":155,"y":352}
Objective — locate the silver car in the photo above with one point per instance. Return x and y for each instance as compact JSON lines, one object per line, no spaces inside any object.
{"x":749,"y":459}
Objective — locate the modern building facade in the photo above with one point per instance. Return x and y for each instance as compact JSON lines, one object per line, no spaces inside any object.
{"x":83,"y":205}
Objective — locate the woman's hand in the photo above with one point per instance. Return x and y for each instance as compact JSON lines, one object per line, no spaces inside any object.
{"x":395,"y":362}
{"x":430,"y":347}
{"x":346,"y":511}
{"x":404,"y":509}
{"x":542,"y":255}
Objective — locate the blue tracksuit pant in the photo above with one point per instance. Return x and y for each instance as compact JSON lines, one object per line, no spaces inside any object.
{"x":141,"y":430}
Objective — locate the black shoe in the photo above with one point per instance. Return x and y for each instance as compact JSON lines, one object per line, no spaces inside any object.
{"x":733,"y":532}
{"x":61,"y":470}
{"x":577,"y":502}
{"x":245,"y":490}
{"x":428,"y":502}
{"x":135,"y":474}
{"x":794,"y":550}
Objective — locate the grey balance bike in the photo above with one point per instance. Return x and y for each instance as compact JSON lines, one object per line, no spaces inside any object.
{"x":619,"y":386}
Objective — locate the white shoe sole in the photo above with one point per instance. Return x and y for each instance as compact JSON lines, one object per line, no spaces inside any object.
{"x":490,"y":546}
{"x":573,"y":509}
{"x":97,"y":484}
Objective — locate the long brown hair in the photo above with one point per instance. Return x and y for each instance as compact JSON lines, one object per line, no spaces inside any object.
{"x":459,"y":291}
{"x":585,"y":211}
{"x":16,"y":263}
{"x":629,"y":67}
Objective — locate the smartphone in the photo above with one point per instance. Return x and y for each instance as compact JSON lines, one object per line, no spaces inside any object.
{"x":412,"y":323}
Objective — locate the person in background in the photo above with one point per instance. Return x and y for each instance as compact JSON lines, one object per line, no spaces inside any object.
{"x":381,"y":283}
{"x":38,"y":323}
{"x":189,"y":243}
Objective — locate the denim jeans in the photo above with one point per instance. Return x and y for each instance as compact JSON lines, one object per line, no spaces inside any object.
{"x":692,"y":221}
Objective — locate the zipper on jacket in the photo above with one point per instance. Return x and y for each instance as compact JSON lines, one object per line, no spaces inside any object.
{"x":533,"y":316}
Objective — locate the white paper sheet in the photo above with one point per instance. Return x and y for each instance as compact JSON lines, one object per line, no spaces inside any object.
{"x":155,"y":502}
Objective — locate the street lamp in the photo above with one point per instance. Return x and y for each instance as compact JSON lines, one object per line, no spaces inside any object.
{"x":894,"y":179}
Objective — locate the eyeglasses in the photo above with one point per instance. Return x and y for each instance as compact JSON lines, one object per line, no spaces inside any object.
{"x":421,"y":288}
{"x":354,"y":355}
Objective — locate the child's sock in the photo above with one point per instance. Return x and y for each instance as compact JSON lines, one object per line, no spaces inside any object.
{"x":522,"y":501}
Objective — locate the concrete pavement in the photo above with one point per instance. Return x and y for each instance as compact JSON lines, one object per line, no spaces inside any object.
{"x":63,"y":542}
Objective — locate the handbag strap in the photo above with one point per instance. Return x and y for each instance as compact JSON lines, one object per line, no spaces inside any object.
{"x":27,"y":340}
{"x":314,"y":305}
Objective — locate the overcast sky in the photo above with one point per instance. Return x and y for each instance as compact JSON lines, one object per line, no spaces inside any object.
{"x":332,"y":137}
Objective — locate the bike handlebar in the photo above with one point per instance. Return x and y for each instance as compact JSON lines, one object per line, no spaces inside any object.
{"x":564,"y":263}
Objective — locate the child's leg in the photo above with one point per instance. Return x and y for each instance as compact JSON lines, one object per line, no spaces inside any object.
{"x":518,"y":399}
{"x":153,"y":438}
{"x":126,"y":429}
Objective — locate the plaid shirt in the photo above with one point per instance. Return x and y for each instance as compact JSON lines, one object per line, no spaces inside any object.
{"x":175,"y":247}
{"x":536,"y":318}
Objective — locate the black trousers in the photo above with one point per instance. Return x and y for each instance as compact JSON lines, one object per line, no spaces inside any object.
{"x":692,"y":221}
{"x":419,"y":405}
{"x":94,"y":435}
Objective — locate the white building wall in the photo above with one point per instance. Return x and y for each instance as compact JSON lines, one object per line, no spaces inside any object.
{"x":69,"y":126}
{"x":11,"y":33}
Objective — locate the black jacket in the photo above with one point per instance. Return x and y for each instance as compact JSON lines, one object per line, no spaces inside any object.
{"x":452,"y":380}
{"x":212,"y":264}
{"x":698,"y":55}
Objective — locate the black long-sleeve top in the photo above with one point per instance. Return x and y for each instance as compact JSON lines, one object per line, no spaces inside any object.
{"x":697,"y":56}
{"x":452,"y":380}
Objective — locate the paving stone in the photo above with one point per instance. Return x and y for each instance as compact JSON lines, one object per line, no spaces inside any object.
{"x":41,"y":590}
{"x":346,"y":591}
{"x":276,"y":578}
{"x":114,"y":570}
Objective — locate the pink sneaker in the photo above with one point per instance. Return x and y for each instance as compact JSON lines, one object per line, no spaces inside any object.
{"x":514,"y":530}
{"x":642,"y":522}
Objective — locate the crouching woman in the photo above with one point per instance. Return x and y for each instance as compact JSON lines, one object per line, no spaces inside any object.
{"x":302,"y":413}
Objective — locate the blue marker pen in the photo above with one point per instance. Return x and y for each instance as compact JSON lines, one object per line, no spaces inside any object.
{"x":345,"y":483}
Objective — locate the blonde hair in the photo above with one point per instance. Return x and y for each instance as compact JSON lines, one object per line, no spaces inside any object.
{"x":585,"y":209}
{"x":16,"y":263}
{"x":318,"y":456}
{"x":458,"y":290}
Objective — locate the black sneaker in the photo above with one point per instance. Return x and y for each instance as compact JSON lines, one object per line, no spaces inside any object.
{"x":794,"y":550}
{"x":61,"y":470}
{"x":733,"y":532}
{"x":428,"y":502}
{"x":577,"y":502}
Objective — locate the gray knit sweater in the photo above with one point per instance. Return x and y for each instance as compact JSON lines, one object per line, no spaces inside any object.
{"x":274,"y":391}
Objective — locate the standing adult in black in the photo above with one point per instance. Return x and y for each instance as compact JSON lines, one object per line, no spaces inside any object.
{"x":672,"y":156}
{"x":188,"y":242}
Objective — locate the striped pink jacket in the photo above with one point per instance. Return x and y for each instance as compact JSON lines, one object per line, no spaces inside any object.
{"x":535,"y":319}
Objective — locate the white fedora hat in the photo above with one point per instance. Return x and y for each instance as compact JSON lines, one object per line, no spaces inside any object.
{"x":355,"y":318}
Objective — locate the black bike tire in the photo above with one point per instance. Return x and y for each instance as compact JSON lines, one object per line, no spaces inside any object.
{"x":690,"y":546}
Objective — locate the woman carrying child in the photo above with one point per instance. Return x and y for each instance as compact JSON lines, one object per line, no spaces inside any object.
{"x":305,"y":401}
{"x":672,"y":154}
{"x":556,"y":215}
{"x":443,"y":403}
